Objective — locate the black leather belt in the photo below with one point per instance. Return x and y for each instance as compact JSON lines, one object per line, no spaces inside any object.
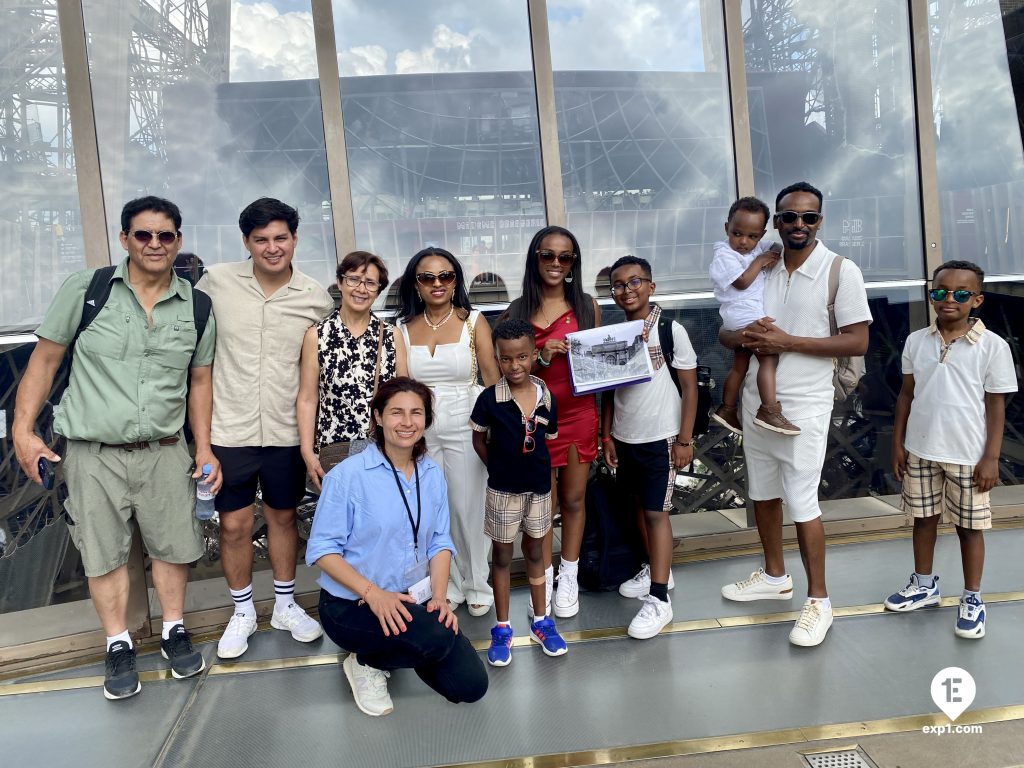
{"x":142,"y":444}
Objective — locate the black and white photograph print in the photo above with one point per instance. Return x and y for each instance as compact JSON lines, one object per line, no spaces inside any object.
{"x":608,"y":357}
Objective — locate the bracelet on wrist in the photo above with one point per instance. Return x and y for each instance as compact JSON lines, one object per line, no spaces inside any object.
{"x":684,"y":444}
{"x":542,"y":361}
{"x":369,"y":586}
{"x":605,"y":439}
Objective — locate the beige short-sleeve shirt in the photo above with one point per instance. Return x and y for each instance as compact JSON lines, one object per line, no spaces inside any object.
{"x":259,"y":341}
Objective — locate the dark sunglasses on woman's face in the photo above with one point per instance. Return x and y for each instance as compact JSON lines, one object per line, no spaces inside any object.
{"x":429,"y":278}
{"x":961,"y":296}
{"x":565,"y":259}
{"x":144,"y":237}
{"x":810,"y":218}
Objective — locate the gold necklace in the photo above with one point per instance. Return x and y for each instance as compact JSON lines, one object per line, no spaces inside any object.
{"x":445,"y":319}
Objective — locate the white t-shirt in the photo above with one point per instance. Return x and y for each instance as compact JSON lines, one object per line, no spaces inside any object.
{"x":799,"y":304}
{"x":947,"y":416}
{"x":651,"y":411}
{"x":738,"y":307}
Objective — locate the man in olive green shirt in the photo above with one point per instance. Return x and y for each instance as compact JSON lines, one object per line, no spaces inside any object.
{"x":122,"y":415}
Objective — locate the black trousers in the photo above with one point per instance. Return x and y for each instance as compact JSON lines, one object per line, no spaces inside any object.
{"x":443,"y":660}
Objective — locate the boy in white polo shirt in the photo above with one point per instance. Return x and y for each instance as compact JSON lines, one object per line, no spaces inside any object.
{"x":781,"y":468}
{"x":948,"y":435}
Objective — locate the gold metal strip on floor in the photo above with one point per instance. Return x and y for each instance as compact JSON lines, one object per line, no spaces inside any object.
{"x":743,"y":741}
{"x":266,"y":665}
{"x":520,"y":641}
{"x":76,"y":683}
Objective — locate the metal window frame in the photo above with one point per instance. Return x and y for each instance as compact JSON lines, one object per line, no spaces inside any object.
{"x":342,"y":213}
{"x":75,"y":49}
{"x":544,"y":90}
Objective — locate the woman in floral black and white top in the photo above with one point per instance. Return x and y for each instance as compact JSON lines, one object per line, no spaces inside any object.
{"x":339,"y":360}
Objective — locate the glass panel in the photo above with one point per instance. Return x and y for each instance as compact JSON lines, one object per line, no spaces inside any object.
{"x":40,"y":232}
{"x":859,"y":450}
{"x":441,"y":129}
{"x":646,"y":149}
{"x":978,"y":141}
{"x":212,"y":104}
{"x":1001,"y":313}
{"x":831,"y":102}
{"x":40,"y":245}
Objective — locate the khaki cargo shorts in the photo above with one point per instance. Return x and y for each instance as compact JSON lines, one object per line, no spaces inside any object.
{"x":108,"y":486}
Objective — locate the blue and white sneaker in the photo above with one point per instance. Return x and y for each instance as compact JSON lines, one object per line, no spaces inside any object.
{"x":544,"y":632}
{"x":970,"y":621}
{"x":500,"y":652}
{"x":914,"y":596}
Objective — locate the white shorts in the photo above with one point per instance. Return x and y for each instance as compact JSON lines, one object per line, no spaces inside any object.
{"x":740,"y":314}
{"x":786,"y":467}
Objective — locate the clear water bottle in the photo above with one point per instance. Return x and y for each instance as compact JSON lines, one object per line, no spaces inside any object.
{"x":204,"y":495}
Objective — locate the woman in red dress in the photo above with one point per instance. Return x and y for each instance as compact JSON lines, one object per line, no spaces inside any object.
{"x":554,"y":302}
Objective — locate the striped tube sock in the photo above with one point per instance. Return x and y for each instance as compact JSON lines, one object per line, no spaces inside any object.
{"x":284,"y":594}
{"x":243,"y":600}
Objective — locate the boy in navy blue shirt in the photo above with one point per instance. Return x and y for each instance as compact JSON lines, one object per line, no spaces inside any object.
{"x":512,"y":422}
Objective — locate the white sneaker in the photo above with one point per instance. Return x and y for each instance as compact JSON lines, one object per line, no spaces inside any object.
{"x":813,"y":624}
{"x":369,"y":687}
{"x":640,"y":585}
{"x":303,"y":627}
{"x":235,"y":640}
{"x":756,"y":588}
{"x":654,"y":615}
{"x":566,"y":601}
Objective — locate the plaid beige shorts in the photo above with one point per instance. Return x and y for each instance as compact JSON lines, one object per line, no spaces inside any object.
{"x":935,"y":487}
{"x":505,"y":514}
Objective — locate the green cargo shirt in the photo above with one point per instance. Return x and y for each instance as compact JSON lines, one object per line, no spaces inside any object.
{"x":127,"y":379}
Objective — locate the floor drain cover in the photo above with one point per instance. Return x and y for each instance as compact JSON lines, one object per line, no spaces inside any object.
{"x":840,"y":758}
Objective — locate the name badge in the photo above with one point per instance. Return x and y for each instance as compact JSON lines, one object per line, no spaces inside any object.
{"x":420,"y":591}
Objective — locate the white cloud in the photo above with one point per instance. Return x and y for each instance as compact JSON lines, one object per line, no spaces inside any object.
{"x":269,"y":45}
{"x":641,"y":35}
{"x":363,"y":60}
{"x":449,"y":51}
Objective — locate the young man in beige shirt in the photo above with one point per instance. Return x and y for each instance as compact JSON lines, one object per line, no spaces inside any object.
{"x":268,"y":305}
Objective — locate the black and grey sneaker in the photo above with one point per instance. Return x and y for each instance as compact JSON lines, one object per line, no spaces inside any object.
{"x":177,"y":648}
{"x":120,"y":678}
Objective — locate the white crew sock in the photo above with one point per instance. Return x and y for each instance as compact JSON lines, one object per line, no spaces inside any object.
{"x":169,"y":625}
{"x":775,"y":580}
{"x":124,"y":636}
{"x":569,"y":566}
{"x":925,"y":580}
{"x":243,"y":601}
{"x":824,"y":602}
{"x":284,"y":594}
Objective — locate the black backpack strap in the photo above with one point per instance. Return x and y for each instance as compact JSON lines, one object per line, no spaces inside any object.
{"x":201,"y":307}
{"x":668,"y":347}
{"x":96,"y":296}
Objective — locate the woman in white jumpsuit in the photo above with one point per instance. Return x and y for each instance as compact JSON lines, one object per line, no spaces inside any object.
{"x":449,"y":344}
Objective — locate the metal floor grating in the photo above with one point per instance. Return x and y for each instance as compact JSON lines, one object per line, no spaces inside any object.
{"x":839,"y":758}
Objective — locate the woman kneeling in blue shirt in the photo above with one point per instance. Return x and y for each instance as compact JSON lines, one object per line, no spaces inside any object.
{"x":380,"y":538}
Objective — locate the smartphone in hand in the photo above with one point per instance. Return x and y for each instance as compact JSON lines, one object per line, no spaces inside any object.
{"x":46,"y":474}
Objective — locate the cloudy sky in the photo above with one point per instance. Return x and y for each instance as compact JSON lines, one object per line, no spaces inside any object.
{"x":273,"y":39}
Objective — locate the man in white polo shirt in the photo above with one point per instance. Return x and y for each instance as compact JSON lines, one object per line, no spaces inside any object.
{"x":267,"y":306}
{"x":788,"y":468}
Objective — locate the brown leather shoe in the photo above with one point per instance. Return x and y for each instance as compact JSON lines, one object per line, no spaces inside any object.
{"x":770,"y":417}
{"x":728,"y":417}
